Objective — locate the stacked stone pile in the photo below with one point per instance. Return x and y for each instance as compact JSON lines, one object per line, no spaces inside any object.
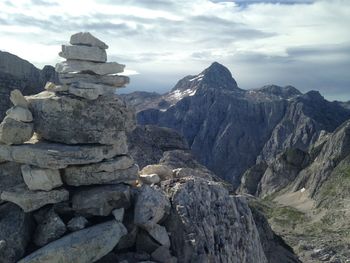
{"x":78,"y":178}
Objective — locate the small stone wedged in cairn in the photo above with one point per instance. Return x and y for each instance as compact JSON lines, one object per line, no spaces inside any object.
{"x":18,"y":99}
{"x":55,"y":88}
{"x":45,"y":154}
{"x":41,"y":179}
{"x":94,"y":54}
{"x":77,"y":223}
{"x":118,"y":214}
{"x":33,"y":200}
{"x":87,"y":245}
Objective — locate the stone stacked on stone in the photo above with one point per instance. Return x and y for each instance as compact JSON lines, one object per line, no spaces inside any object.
{"x":17,"y":126}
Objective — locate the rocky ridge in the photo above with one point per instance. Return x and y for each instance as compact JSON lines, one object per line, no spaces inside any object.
{"x":77,"y":196}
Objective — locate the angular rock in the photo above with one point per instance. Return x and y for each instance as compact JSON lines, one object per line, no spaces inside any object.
{"x":163,"y":255}
{"x":77,"y":223}
{"x":15,"y":132}
{"x":87,"y":245}
{"x":111,"y":80}
{"x":163,"y":171}
{"x":129,"y":239}
{"x":94,"y":54}
{"x":90,"y":91}
{"x":57,"y":156}
{"x":118,"y":214}
{"x":18,"y":113}
{"x":72,"y":120}
{"x":15,"y":232}
{"x":160,"y":234}
{"x":86,"y":39}
{"x":112,"y":171}
{"x":50,"y":229}
{"x":101,"y":200}
{"x":150,"y":178}
{"x":30,"y":200}
{"x":79,"y":66}
{"x":150,"y":207}
{"x":41,"y":179}
{"x":18,"y":99}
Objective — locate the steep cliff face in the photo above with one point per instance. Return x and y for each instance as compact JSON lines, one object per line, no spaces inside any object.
{"x":16,"y":73}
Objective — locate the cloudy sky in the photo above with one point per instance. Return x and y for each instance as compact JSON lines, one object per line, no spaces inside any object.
{"x":303,"y":43}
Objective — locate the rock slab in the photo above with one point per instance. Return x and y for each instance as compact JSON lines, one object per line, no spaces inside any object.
{"x":84,"y":246}
{"x":94,"y":54}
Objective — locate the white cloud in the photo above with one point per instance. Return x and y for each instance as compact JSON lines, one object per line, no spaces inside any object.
{"x":260,"y":41}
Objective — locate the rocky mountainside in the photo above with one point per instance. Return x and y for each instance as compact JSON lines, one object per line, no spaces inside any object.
{"x":229,"y":129}
{"x":16,"y":73}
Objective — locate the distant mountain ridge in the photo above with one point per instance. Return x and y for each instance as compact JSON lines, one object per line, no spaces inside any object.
{"x":17,"y":73}
{"x":229,"y":129}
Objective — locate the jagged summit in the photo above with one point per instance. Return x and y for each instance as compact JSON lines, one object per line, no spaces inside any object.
{"x":282,"y":92}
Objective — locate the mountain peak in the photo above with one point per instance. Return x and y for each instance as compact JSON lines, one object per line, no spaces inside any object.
{"x":218,"y":76}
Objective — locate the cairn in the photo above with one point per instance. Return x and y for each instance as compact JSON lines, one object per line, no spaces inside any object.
{"x":78,"y":177}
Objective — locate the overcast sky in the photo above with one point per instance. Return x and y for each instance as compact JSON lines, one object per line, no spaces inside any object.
{"x":302,"y":43}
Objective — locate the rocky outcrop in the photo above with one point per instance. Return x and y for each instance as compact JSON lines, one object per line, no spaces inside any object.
{"x":16,"y":73}
{"x":208,"y":225}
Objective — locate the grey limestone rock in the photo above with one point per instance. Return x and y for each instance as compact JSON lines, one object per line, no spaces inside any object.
{"x":33,"y":200}
{"x":77,"y":223}
{"x":151,"y":206}
{"x":206,"y":224}
{"x":56,"y":156}
{"x":87,"y":39}
{"x":50,"y":229}
{"x":72,"y":120}
{"x":80,"y":66}
{"x":117,"y":170}
{"x":160,"y":234}
{"x":18,"y":99}
{"x":87,"y":53}
{"x":90,"y":91}
{"x":101,"y":200}
{"x":19,"y":113}
{"x":111,"y":80}
{"x":84,"y":246}
{"x":10,"y":176}
{"x":15,"y":232}
{"x":15,"y":132}
{"x":41,"y":179}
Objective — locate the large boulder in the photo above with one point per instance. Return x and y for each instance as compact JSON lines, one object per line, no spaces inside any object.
{"x":15,"y":231}
{"x":55,"y":155}
{"x":206,"y":224}
{"x":71,"y":120}
{"x":84,"y":246}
